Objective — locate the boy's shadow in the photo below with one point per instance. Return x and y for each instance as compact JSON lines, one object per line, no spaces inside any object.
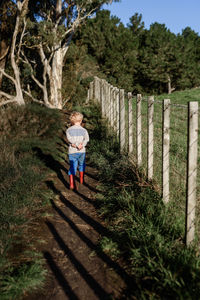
{"x":53,"y":164}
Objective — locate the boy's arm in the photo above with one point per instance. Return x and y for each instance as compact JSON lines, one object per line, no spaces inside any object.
{"x":86,"y":139}
{"x":70,"y":139}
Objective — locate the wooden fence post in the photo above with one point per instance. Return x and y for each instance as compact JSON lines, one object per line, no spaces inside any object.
{"x":111,"y":106}
{"x":139,"y":129}
{"x":114,"y":110}
{"x":103,"y":100}
{"x":117,"y":111}
{"x":165,"y":149}
{"x":150,"y":138}
{"x":106,"y":100}
{"x":122,"y":120}
{"x":130,"y":123}
{"x":95,"y":88}
{"x":91,"y":90}
{"x":191,"y":171}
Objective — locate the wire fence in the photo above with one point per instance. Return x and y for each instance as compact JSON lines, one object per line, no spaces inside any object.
{"x":162,"y":138}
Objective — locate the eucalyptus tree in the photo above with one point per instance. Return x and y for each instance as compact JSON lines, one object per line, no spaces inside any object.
{"x":40,"y":44}
{"x":50,"y":34}
{"x":7,"y":14}
{"x":15,"y":49}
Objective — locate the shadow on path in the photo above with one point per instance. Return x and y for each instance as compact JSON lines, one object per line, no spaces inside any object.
{"x":95,"y":286}
{"x":74,"y":231}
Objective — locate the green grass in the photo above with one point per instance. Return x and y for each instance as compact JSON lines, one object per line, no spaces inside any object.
{"x":178,"y":148}
{"x":23,"y":197}
{"x":146,"y":234}
{"x":26,"y":277}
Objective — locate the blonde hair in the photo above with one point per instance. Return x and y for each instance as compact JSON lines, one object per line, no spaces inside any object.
{"x":75,"y":117}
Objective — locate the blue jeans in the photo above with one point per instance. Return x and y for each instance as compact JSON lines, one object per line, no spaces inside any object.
{"x":76,"y":160}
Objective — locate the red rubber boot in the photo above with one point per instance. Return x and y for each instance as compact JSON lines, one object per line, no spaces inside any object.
{"x":71,"y":182}
{"x":81,"y":175}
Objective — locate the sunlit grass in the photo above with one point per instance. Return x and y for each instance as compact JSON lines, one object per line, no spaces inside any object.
{"x":178,"y":147}
{"x":145,"y":233}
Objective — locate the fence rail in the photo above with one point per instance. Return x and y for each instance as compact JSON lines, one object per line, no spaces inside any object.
{"x":120,"y":114}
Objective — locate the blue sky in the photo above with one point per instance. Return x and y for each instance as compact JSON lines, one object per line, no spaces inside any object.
{"x":175,"y":14}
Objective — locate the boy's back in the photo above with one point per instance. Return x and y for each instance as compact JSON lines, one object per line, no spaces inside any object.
{"x":76,"y":134}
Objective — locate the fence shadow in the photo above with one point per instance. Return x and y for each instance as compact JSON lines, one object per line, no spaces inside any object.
{"x":59,"y":276}
{"x":91,"y":282}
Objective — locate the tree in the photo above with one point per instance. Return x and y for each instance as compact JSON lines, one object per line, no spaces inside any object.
{"x":136,"y":24}
{"x":157,"y":58}
{"x":189,"y":43}
{"x":7,"y":13}
{"x":49,"y":31}
{"x":113,"y":46}
{"x":21,"y":10}
{"x":59,"y":20}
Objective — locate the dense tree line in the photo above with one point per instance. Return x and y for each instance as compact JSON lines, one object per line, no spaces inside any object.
{"x":38,"y":41}
{"x":141,"y":60}
{"x":51,"y":49}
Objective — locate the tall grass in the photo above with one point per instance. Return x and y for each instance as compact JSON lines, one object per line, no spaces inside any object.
{"x":178,"y":148}
{"x":146,"y":234}
{"x":22,"y":193}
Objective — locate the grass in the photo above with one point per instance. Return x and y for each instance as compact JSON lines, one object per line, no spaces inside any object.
{"x":23,"y":196}
{"x":146,"y":234}
{"x":178,"y":148}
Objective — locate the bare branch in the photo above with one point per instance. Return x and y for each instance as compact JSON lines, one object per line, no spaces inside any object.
{"x":4,"y":55}
{"x":31,"y":96}
{"x":67,"y":100}
{"x":6,"y":95}
{"x":21,"y":38}
{"x":8,"y":76}
{"x":25,"y":60}
{"x":7,"y":102}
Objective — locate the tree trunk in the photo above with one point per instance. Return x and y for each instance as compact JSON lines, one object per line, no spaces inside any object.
{"x":3,"y":56}
{"x":19,"y":95}
{"x":56,"y":79}
{"x":4,"y":39}
{"x":170,"y":89}
{"x":169,"y":86}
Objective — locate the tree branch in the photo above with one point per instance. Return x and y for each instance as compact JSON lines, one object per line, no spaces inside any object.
{"x":7,"y":102}
{"x":4,"y":55}
{"x":31,"y":96}
{"x":21,"y":38}
{"x":8,"y":76}
{"x":6,"y":95}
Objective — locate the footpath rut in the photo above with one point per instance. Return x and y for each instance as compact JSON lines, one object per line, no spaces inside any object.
{"x":77,"y":269}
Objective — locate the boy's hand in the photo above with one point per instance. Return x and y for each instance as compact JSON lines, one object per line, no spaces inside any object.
{"x":80,"y":146}
{"x":73,"y":145}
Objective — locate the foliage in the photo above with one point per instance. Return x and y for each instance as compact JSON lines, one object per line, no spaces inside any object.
{"x":141,"y":60}
{"x":23,"y":195}
{"x":130,"y":57}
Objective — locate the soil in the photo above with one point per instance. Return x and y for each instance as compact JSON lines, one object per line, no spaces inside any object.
{"x":77,"y":268}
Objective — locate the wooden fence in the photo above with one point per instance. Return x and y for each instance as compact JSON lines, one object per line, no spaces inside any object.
{"x":112,"y":103}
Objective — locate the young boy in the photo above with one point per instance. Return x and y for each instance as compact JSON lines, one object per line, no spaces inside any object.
{"x":78,"y":138}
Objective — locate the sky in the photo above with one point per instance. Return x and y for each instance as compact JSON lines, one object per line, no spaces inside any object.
{"x":175,"y":14}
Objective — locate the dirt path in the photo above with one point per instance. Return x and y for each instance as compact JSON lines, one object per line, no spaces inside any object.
{"x":77,"y":269}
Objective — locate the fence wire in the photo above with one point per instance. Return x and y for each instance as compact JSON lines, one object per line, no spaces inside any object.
{"x":177,"y":150}
{"x":178,"y":154}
